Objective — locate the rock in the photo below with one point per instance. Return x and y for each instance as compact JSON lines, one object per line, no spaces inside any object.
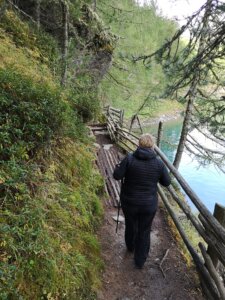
{"x":97,"y":145}
{"x":120,"y":219}
{"x":107,"y":146}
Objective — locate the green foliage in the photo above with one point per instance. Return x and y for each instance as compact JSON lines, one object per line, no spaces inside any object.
{"x":42,"y":45}
{"x":141,"y":31}
{"x":85,"y":102}
{"x":31,"y":113}
{"x":87,"y":38}
{"x":49,"y":249}
{"x":211,"y":113}
{"x":49,"y":186}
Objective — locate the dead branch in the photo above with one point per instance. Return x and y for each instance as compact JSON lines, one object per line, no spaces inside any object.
{"x":161,"y":262}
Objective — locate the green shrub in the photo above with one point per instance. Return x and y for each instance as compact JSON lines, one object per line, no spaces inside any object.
{"x":49,"y":187}
{"x":30,"y":114}
{"x":85,"y":102}
{"x":48,"y":245}
{"x":43,"y":46}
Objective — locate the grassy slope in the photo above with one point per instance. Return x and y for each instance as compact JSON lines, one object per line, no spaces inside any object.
{"x":140,"y":32}
{"x":50,"y":188}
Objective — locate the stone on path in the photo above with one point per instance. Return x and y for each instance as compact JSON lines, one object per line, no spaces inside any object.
{"x":120,"y":219}
{"x":107,"y":146}
{"x":97,"y":145}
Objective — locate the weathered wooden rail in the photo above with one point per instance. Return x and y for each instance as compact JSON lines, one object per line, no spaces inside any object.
{"x":207,"y":226}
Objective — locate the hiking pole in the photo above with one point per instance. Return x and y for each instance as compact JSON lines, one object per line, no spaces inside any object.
{"x":118,"y":215}
{"x":118,"y":211}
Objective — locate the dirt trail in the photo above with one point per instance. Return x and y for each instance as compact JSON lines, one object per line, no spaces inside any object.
{"x":121,"y":281}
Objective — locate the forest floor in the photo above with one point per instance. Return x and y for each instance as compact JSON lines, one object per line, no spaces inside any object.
{"x":165,"y":275}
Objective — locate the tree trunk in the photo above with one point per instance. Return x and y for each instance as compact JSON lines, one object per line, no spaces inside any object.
{"x":38,"y":13}
{"x":184,"y":132}
{"x":65,"y":18}
{"x":192,"y":92}
{"x":95,"y":4}
{"x":3,"y":8}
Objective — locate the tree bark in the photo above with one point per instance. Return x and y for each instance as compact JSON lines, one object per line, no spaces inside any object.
{"x":38,"y":13}
{"x":65,"y":18}
{"x":192,"y":92}
{"x":212,"y":271}
{"x":95,"y":4}
{"x":219,"y":214}
{"x":3,"y":8}
{"x":185,"y":129}
{"x":159,"y":135}
{"x":196,"y":258}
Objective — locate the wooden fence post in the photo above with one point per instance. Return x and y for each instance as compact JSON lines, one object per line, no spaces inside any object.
{"x":139,"y":123}
{"x":121,"y":117}
{"x":131,"y":122}
{"x":219,"y":214}
{"x":159,"y":135}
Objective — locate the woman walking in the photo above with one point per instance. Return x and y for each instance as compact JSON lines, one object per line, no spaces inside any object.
{"x":140,"y":173}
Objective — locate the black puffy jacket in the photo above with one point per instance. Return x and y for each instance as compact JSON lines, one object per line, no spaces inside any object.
{"x":140,"y":172}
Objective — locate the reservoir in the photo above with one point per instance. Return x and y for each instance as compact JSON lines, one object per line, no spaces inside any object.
{"x":207,"y":181}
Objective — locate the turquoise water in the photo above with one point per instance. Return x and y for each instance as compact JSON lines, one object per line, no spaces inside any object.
{"x":207,"y":182}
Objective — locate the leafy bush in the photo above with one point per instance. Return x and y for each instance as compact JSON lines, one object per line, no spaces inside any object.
{"x":85,"y":102}
{"x":49,"y":195}
{"x":42,"y":45}
{"x":143,"y":31}
{"x":48,"y":246}
{"x":30,"y":114}
{"x":49,"y":187}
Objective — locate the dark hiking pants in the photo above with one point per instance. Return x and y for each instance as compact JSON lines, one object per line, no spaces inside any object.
{"x":138,"y":222}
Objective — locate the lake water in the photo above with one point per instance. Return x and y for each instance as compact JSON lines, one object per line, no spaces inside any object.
{"x":207,"y":182}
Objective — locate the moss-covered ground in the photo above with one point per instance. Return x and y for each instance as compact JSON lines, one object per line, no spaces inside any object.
{"x":50,"y":188}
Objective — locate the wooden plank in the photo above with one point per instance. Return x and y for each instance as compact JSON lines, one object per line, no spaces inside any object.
{"x":212,"y":271}
{"x":219,"y":214}
{"x":139,"y":123}
{"x":121,"y":118}
{"x":218,"y":229}
{"x":132,"y":122}
{"x":159,"y":135}
{"x":112,"y":164}
{"x":103,"y":172}
{"x":125,"y":146}
{"x":128,"y":133}
{"x":114,"y":113}
{"x":97,"y":125}
{"x":114,"y":109}
{"x":196,"y":258}
{"x":102,"y":128}
{"x":111,"y":130}
{"x":128,"y":139}
{"x":218,"y":247}
{"x":112,"y":181}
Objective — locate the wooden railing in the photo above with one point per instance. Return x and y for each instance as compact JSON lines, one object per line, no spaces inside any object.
{"x":205,"y":223}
